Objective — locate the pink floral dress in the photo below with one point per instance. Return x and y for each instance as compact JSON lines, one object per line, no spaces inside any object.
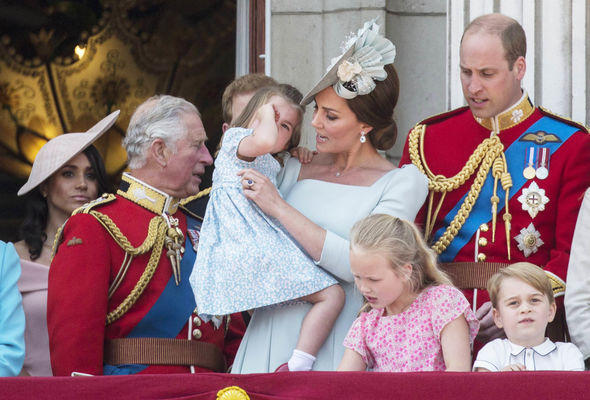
{"x":410,"y":341}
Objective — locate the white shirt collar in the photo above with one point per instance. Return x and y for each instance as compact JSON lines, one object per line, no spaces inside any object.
{"x":542,"y":349}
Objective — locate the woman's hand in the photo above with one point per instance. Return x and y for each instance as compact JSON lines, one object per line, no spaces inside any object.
{"x":258,"y":188}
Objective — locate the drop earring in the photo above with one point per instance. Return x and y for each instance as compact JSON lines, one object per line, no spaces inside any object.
{"x":363,"y":138}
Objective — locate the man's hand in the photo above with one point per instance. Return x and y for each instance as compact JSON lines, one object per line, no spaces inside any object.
{"x":488,"y":330}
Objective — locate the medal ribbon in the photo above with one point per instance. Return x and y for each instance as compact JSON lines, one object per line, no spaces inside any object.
{"x":480,"y":212}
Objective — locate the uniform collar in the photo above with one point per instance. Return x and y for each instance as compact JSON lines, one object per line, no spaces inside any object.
{"x":147,"y":196}
{"x":513,"y":116}
{"x":542,"y":349}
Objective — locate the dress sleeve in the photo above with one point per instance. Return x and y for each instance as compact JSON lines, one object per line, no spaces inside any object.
{"x":402,"y":197}
{"x":447,"y":304}
{"x":487,"y":357}
{"x":577,"y":294}
{"x":75,"y":318}
{"x":12,"y":317}
{"x":355,"y":340}
{"x":232,"y":138}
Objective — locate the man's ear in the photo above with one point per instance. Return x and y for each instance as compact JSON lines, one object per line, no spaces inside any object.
{"x":519,"y":68}
{"x":224,"y":127}
{"x":160,"y":152}
{"x":497,"y":318}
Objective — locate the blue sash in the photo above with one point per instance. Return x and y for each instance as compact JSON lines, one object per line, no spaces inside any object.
{"x":171,"y":311}
{"x":482,"y":209}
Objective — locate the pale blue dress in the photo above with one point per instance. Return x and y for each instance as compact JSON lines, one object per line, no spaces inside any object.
{"x":272,"y":333}
{"x":245,"y":259}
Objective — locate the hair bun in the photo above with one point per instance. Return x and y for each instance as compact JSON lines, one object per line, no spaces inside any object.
{"x":384,"y":138}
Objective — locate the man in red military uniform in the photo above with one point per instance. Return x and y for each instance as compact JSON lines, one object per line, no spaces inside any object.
{"x":506,"y":178}
{"x":119,"y":301}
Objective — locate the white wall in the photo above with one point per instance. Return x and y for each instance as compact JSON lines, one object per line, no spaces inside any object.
{"x":306,"y":34}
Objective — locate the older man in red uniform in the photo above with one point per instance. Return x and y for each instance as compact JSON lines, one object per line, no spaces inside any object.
{"x":119,"y":301}
{"x":506,"y":178}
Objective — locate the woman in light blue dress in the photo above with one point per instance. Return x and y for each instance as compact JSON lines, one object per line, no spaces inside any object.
{"x":345,"y":182}
{"x":245,"y":259}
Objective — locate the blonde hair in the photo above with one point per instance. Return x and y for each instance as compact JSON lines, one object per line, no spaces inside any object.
{"x":401,"y":243}
{"x":242,"y":85}
{"x":260,"y":98}
{"x":524,"y":271}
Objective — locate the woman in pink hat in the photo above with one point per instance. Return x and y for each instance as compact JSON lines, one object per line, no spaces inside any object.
{"x":67,"y":172}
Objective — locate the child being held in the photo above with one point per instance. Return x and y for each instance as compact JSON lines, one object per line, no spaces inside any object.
{"x":523,"y":304}
{"x":245,"y":259}
{"x":413,"y":318}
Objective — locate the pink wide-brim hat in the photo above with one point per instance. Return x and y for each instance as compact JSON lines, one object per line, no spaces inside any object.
{"x":58,"y":151}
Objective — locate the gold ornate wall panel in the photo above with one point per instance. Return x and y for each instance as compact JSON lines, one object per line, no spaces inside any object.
{"x":133,"y":49}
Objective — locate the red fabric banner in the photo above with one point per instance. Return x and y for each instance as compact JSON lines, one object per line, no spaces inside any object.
{"x":308,"y":385}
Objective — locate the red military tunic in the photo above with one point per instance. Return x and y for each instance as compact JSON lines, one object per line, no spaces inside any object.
{"x":448,"y":142}
{"x":85,"y":266}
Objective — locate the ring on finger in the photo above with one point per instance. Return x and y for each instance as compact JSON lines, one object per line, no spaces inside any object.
{"x":250,"y":182}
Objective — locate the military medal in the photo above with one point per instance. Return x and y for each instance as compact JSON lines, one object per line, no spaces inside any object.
{"x":529,"y":240}
{"x":543,"y":169}
{"x":529,"y":171}
{"x":533,"y":199}
{"x":194,"y":236}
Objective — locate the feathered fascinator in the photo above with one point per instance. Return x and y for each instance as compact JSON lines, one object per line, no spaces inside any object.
{"x":354,"y":73}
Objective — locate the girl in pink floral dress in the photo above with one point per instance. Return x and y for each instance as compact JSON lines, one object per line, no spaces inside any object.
{"x":413,"y":318}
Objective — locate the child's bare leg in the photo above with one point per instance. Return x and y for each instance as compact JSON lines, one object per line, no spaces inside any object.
{"x":316,"y":326}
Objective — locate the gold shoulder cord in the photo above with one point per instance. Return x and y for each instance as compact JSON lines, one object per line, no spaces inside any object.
{"x":153,"y":242}
{"x":489,"y":154}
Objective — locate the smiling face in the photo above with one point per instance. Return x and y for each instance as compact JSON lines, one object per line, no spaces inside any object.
{"x":337,"y":127}
{"x":489,"y":85}
{"x":185,"y":167}
{"x":71,"y":186}
{"x":378,"y":282}
{"x":523,"y":312}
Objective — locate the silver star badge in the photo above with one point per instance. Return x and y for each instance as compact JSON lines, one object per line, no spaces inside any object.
{"x":533,"y":199}
{"x":529,"y":240}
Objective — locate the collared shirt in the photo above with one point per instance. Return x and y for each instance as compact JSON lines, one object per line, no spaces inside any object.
{"x":547,"y":356}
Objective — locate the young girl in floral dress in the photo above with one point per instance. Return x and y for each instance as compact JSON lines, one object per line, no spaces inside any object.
{"x":413,"y":318}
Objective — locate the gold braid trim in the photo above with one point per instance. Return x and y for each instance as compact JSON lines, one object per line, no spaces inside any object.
{"x":483,"y":156}
{"x":202,"y":193}
{"x":154,"y":241}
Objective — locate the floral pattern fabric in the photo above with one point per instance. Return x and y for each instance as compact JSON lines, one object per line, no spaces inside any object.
{"x":245,"y":259}
{"x":410,"y":341}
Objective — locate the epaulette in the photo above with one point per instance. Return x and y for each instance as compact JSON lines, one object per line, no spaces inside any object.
{"x":202,"y":193}
{"x":443,"y":116}
{"x":565,"y":120}
{"x":85,"y":209}
{"x":104,"y":199}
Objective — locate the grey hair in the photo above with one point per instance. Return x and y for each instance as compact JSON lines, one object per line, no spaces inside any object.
{"x":159,"y":117}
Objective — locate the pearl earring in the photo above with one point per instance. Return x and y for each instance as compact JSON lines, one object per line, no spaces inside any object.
{"x":363,"y":138}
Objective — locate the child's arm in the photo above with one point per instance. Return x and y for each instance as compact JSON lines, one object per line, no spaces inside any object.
{"x":352,"y":361}
{"x":454,"y":340}
{"x":263,"y":138}
{"x":304,"y":154}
